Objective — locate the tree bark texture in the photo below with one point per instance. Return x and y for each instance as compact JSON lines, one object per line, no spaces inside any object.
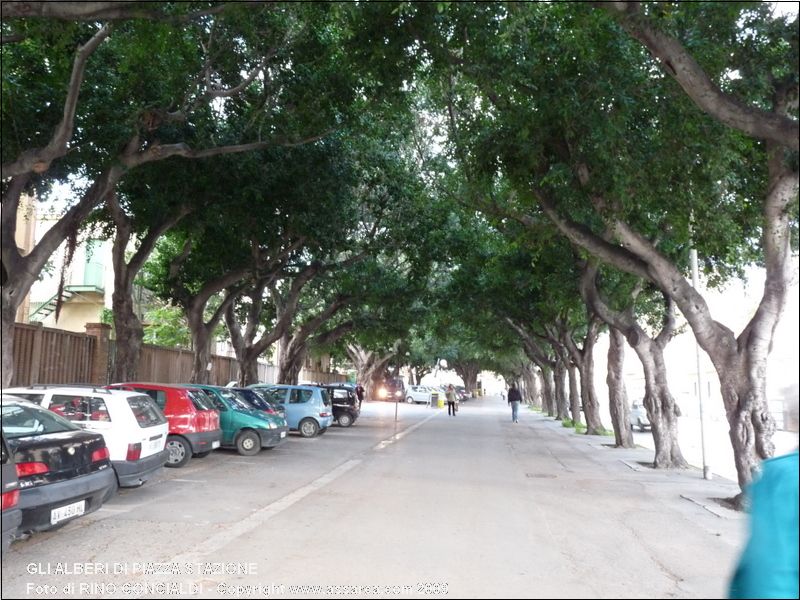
{"x":617,"y":394}
{"x":562,"y":404}
{"x":574,"y":394}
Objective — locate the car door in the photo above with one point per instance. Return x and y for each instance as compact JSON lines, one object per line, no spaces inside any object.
{"x":225,"y":416}
{"x":299,"y":406}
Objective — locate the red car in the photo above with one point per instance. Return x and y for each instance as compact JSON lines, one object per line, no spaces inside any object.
{"x":194,"y":427}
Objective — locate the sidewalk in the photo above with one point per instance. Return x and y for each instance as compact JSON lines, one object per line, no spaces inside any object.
{"x":629,"y":530}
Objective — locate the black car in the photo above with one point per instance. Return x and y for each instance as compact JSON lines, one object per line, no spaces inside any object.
{"x":64,"y":472}
{"x":12,"y":515}
{"x":346,"y":407}
{"x":393,"y":390}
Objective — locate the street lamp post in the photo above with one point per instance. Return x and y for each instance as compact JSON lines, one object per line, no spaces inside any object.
{"x":695,"y":283}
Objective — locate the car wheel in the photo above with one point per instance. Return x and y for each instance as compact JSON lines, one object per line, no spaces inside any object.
{"x":203,"y":454}
{"x":308,"y":428}
{"x":248,"y":443}
{"x":345,"y":420}
{"x":179,"y":452}
{"x":410,"y":400}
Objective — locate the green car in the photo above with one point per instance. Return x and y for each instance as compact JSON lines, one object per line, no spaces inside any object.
{"x":244,"y":427}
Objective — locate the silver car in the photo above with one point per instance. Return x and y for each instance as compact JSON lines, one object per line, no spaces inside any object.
{"x":638,"y":417}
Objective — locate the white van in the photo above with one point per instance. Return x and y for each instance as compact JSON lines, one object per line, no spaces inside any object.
{"x":134,"y":428}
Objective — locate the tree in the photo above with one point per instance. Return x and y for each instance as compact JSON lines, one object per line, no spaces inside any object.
{"x":558,"y":103}
{"x":156,"y":91}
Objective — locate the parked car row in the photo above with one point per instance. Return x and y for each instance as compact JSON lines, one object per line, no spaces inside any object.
{"x":66,"y":449}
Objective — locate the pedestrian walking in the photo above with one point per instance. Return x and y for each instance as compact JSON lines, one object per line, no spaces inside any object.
{"x":450,"y":394}
{"x":514,"y":398}
{"x":360,"y":394}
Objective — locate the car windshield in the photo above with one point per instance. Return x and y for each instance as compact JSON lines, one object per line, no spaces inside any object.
{"x":146,"y":411}
{"x":25,"y":421}
{"x":250,"y":396}
{"x":201,"y":400}
{"x":234,"y":400}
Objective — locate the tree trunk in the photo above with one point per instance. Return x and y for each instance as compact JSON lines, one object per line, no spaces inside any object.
{"x":129,"y":334}
{"x":591,"y":407}
{"x":661,"y":408}
{"x":369,"y":368}
{"x":617,"y":394}
{"x":548,"y":387}
{"x":562,"y":405}
{"x":468,"y":372}
{"x":248,"y":368}
{"x":574,"y":394}
{"x":291,"y":362}
{"x":529,"y":377}
{"x":751,"y":425}
{"x":9,"y":312}
{"x":201,"y":340}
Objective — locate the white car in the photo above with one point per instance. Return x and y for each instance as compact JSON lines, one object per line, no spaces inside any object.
{"x":133,"y":427}
{"x":638,"y":417}
{"x":420,"y":393}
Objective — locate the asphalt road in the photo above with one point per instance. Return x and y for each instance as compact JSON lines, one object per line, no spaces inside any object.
{"x":432,"y":506}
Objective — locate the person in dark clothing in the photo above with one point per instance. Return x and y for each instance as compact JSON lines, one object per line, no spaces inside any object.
{"x":514,"y":398}
{"x":360,"y":393}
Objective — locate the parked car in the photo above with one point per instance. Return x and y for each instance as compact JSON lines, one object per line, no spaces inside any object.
{"x":134,"y":428}
{"x":462,"y":393}
{"x":194,"y":428}
{"x":638,"y":417}
{"x":346,"y":407}
{"x":243,"y":427}
{"x":64,"y":471}
{"x":256,"y":398}
{"x":9,"y":501}
{"x":308,"y":408}
{"x":418,"y":394}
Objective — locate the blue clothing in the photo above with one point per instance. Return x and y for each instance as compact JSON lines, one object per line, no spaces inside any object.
{"x":768,"y":567}
{"x":514,"y":411}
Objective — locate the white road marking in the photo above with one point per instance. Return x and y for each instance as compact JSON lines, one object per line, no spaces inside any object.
{"x":262,"y":515}
{"x":399,"y":436}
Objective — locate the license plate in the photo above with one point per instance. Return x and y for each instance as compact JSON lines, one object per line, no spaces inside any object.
{"x":156,"y":446}
{"x":214,"y":445}
{"x":67,"y":512}
{"x":283,"y":434}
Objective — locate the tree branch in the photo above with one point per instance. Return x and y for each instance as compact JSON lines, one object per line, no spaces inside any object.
{"x":98,"y":11}
{"x":38,"y":159}
{"x":682,"y":67}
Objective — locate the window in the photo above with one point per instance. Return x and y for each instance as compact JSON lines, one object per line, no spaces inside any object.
{"x":201,"y":400}
{"x":36,"y":398}
{"x":276,"y":395}
{"x":80,"y":408}
{"x":146,"y":412}
{"x":160,"y":396}
{"x":300,"y":396}
{"x":74,"y":408}
{"x":218,"y":404}
{"x":23,"y":421}
{"x":326,"y":399}
{"x":234,"y":400}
